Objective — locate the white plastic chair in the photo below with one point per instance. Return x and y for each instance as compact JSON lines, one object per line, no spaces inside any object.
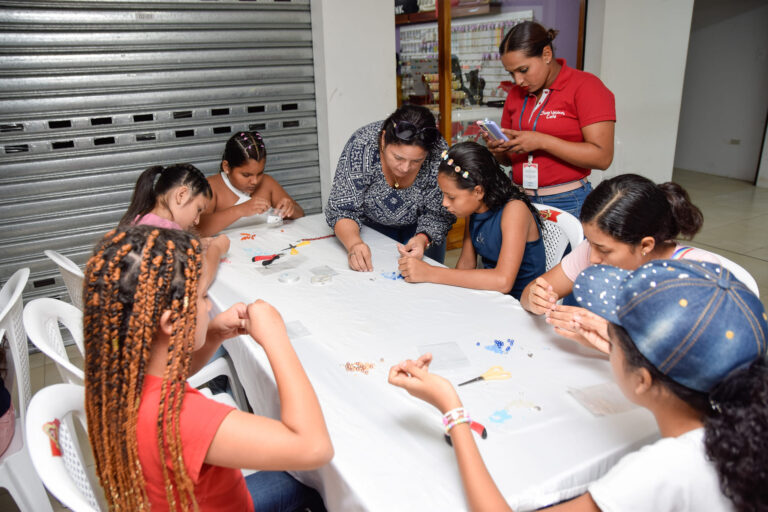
{"x":71,"y":274}
{"x":740,"y":273}
{"x":17,"y":474}
{"x":49,"y":427}
{"x":217,"y":367}
{"x":41,"y":321}
{"x":560,"y":228}
{"x":42,"y":318}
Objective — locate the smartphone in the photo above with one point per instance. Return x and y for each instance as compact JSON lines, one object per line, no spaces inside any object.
{"x":492,"y":129}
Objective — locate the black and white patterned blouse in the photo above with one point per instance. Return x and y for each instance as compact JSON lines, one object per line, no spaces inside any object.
{"x":361,"y":193}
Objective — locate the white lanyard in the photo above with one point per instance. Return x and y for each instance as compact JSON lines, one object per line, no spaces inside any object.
{"x":241,"y":198}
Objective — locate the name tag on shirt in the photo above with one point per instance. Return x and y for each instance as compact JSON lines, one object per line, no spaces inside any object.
{"x":530,"y":175}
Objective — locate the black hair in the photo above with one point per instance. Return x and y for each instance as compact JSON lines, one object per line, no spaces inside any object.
{"x":529,"y":37}
{"x":427,"y":136}
{"x":158,"y":180}
{"x":735,"y":417}
{"x":630,"y":207}
{"x":244,"y":146}
{"x":484,"y":170}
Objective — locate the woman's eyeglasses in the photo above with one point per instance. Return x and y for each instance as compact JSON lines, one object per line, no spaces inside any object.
{"x":407,"y":131}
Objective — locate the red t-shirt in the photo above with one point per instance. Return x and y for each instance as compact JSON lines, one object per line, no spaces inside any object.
{"x":216,"y":488}
{"x":576,"y":99}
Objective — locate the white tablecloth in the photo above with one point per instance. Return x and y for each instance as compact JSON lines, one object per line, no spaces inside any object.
{"x":543,"y":445}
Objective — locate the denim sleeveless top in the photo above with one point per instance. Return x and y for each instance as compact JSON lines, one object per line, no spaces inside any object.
{"x":485,"y":230}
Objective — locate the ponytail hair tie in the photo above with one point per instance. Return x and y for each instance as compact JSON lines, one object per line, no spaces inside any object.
{"x":157,"y":178}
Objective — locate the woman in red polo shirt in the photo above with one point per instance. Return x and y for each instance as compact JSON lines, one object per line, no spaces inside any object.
{"x":559,"y":121}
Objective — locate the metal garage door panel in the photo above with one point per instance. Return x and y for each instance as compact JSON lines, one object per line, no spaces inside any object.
{"x":93,"y":93}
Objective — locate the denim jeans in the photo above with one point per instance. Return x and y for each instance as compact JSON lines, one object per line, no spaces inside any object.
{"x":404,"y":233}
{"x":570,"y":201}
{"x":277,"y":491}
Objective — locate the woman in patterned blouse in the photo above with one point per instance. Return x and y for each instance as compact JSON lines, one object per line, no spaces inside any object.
{"x":386,"y":179}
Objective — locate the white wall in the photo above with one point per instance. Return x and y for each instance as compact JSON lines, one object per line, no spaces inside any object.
{"x":355,"y":72}
{"x":762,"y":173}
{"x":640,"y":55}
{"x":724,"y":98}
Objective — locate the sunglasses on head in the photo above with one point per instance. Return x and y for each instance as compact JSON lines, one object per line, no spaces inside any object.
{"x":407,"y":131}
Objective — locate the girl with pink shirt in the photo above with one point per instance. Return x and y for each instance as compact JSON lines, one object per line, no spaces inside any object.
{"x":628,"y":221}
{"x":173,"y":197}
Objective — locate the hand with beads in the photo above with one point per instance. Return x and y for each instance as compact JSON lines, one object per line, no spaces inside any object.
{"x":414,"y":270}
{"x":285,"y":207}
{"x":415,"y":247}
{"x":415,"y":378}
{"x":581,"y":326}
{"x":264,"y":323}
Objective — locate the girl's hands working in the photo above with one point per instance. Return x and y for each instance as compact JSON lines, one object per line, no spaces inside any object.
{"x":581,"y":326}
{"x":414,"y":377}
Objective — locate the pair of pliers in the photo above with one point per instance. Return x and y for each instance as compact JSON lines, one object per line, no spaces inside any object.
{"x":265,"y":259}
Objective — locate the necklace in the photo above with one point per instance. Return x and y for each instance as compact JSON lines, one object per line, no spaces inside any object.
{"x":397,"y":185}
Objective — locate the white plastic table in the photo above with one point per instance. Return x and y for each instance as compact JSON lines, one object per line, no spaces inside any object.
{"x":543,"y":444}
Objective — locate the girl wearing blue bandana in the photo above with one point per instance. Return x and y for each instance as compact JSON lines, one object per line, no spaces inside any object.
{"x":502,"y":227}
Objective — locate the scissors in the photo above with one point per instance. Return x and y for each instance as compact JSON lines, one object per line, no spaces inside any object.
{"x":493,"y":373}
{"x":293,"y":247}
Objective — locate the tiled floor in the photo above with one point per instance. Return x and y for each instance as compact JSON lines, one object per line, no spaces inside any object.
{"x":735,"y":226}
{"x":735,"y":222}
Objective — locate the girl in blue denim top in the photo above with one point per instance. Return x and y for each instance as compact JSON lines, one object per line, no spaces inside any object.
{"x":503,"y":227}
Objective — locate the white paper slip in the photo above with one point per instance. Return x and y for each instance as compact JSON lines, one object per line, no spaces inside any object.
{"x":602,"y":399}
{"x":445,"y":356}
{"x":296,"y":329}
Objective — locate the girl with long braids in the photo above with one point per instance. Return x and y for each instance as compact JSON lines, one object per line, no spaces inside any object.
{"x":503,"y":227}
{"x":242,"y":188}
{"x":158,"y":443}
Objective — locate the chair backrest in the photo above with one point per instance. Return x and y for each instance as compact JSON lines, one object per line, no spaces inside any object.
{"x":41,"y":321}
{"x":55,"y":449}
{"x":71,"y":274}
{"x":560,"y":229}
{"x":10,"y":321}
{"x":740,"y":273}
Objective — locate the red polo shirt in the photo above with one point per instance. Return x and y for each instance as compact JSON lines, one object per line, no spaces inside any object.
{"x":576,"y":99}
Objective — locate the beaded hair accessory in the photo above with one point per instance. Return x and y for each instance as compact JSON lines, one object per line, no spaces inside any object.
{"x":456,"y":168}
{"x":249,"y":140}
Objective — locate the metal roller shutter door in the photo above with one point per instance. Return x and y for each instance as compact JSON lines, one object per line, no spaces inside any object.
{"x":93,"y":93}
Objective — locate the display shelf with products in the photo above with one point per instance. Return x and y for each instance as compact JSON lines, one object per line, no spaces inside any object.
{"x":475,"y":58}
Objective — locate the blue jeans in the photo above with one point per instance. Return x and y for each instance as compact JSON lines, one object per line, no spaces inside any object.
{"x":570,"y":201}
{"x":404,"y":233}
{"x":277,"y":491}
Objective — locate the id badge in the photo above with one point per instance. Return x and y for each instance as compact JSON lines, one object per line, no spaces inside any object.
{"x":530,"y":175}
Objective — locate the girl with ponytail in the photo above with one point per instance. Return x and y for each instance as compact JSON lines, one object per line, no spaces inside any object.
{"x":174,"y":197}
{"x":628,"y":221}
{"x":559,"y":121}
{"x":502,"y":227}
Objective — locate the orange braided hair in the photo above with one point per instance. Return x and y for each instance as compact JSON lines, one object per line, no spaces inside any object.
{"x":133,"y":277}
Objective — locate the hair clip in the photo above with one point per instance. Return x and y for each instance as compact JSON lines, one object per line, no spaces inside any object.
{"x":456,"y":168}
{"x":715,"y":406}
